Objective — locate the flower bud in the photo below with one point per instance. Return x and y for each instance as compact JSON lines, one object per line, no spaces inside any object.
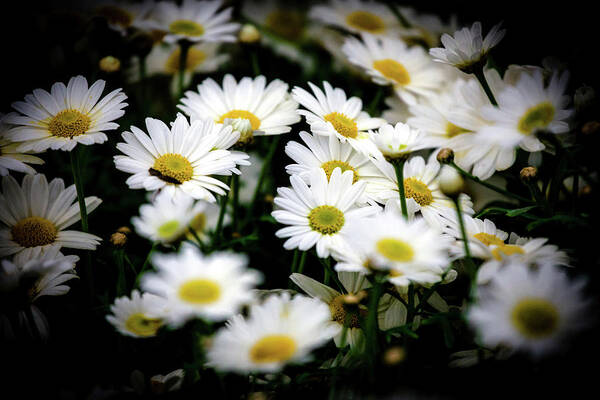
{"x":109,"y":64}
{"x":590,"y":127}
{"x":124,"y":229}
{"x":249,"y":34}
{"x":394,"y":355}
{"x":118,"y":239}
{"x":445,"y":156}
{"x":450,"y":181}
{"x":528,"y":174}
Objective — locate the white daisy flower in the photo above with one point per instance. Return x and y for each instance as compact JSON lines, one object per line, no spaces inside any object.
{"x":390,"y":61}
{"x":179,"y":160}
{"x":529,"y":311}
{"x":269,"y":109}
{"x":331,"y":113}
{"x":467,"y":47}
{"x":167,"y":219}
{"x":358,"y":16}
{"x":527,"y":108}
{"x":481,"y":234}
{"x":194,"y":285}
{"x":139,"y":316}
{"x":328,"y":153}
{"x":122,"y":15}
{"x":10,"y":158}
{"x":398,"y":141}
{"x":282,"y":330}
{"x":196,"y":21}
{"x":34,"y":216}
{"x":319,"y":214}
{"x":422,"y":191}
{"x":66,"y":116}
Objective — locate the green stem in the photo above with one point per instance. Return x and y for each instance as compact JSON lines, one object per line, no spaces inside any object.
{"x":375,"y":102}
{"x":471,"y":269}
{"x":236,"y":201}
{"x":405,"y":23}
{"x":302,"y":261}
{"x":255,"y":66}
{"x":399,"y":168}
{"x":263,"y":173}
{"x":295,"y":260}
{"x":184,"y":47}
{"x":146,"y":263}
{"x":478,"y":72}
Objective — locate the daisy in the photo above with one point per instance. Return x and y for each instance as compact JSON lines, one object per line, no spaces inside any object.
{"x":123,"y":15}
{"x":527,"y":108}
{"x":279,"y":331}
{"x":139,"y":316}
{"x":319,"y":214}
{"x":467,"y":48}
{"x":398,"y":141}
{"x":331,"y":113}
{"x":358,"y":16}
{"x":529,"y":311}
{"x":269,"y":109}
{"x":425,"y":28}
{"x":34,"y":216}
{"x":167,"y":219}
{"x":390,"y":61}
{"x":327,"y":153}
{"x":66,"y":116}
{"x":178,"y":160}
{"x":195,"y":21}
{"x":10,"y":158}
{"x":345,"y":312}
{"x":422,"y":191}
{"x":212,"y":286}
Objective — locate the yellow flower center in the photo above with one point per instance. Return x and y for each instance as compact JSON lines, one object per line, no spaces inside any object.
{"x":200,"y":291}
{"x":33,"y":232}
{"x":365,"y":21}
{"x":393,"y":70}
{"x":395,"y":250}
{"x":342,"y":124}
{"x":115,"y":15}
{"x":198,"y":224}
{"x":273,"y":348}
{"x":186,"y":27}
{"x":168,"y":229}
{"x":288,"y":24}
{"x":194,"y":58}
{"x":535,"y":318}
{"x":418,"y":191}
{"x":326,"y":219}
{"x":506,"y":249}
{"x":172,"y":168}
{"x":233,"y":114}
{"x":536,"y":117}
{"x":69,"y":123}
{"x":329,"y":166}
{"x":345,"y":315}
{"x":488,"y":239}
{"x":141,"y":325}
{"x":453,"y":130}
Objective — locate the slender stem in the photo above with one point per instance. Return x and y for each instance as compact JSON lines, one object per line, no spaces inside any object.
{"x":375,"y":102}
{"x":184,"y":47}
{"x":481,"y":78}
{"x":75,"y":155}
{"x":263,"y":172}
{"x":219,"y":227}
{"x":302,"y":261}
{"x":255,"y":66}
{"x":405,"y":23}
{"x":236,"y":200}
{"x":146,"y":263}
{"x":471,"y":269}
{"x":488,"y":185}
{"x":399,"y":167}
{"x":295,"y":260}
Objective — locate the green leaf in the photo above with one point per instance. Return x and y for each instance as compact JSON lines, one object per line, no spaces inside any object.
{"x":519,"y":211}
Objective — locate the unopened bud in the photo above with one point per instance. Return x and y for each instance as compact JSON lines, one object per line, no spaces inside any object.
{"x":394,"y":355}
{"x":590,"y":127}
{"x":269,"y":198}
{"x":249,"y":34}
{"x":528,"y":174}
{"x":124,"y":229}
{"x":109,"y":64}
{"x":586,"y":190}
{"x":118,"y":239}
{"x":445,"y":156}
{"x":450,"y":181}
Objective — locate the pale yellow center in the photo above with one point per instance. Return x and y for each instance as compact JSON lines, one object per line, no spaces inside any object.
{"x":418,"y":191}
{"x":535,"y":318}
{"x":453,"y":130}
{"x":69,"y":123}
{"x":488,"y":239}
{"x":329,"y":166}
{"x":288,"y":24}
{"x":392,"y":70}
{"x":506,"y":249}
{"x":169,"y":229}
{"x":326,"y":220}
{"x":395,"y":249}
{"x":233,"y":114}
{"x":33,"y":232}
{"x":186,"y":27}
{"x":342,"y":124}
{"x":142,"y":325}
{"x":340,"y":312}
{"x":537,"y":117}
{"x":194,"y":58}
{"x":200,"y":291}
{"x":365,"y":21}
{"x":273,"y":348}
{"x":172,"y":168}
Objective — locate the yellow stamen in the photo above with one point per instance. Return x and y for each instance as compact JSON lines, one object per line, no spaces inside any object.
{"x":69,"y":123}
{"x":273,"y":348}
{"x":535,"y":318}
{"x":195,"y":57}
{"x":506,"y":249}
{"x":329,"y":166}
{"x":172,"y":168}
{"x":365,"y":21}
{"x":345,"y":314}
{"x":395,"y":249}
{"x":186,"y":27}
{"x":418,"y":191}
{"x":342,"y":124}
{"x":233,"y":114}
{"x":393,"y":70}
{"x":488,"y":239}
{"x":537,"y":117}
{"x":200,"y":291}
{"x":326,"y":219}
{"x":142,"y":325}
{"x":33,"y":232}
{"x":453,"y":130}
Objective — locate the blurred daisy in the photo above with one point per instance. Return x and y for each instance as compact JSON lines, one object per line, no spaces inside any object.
{"x":139,"y":316}
{"x":328,"y":153}
{"x":358,"y":16}
{"x":390,"y":61}
{"x":269,"y":109}
{"x":467,"y":48}
{"x":282,"y":330}
{"x":65,"y":117}
{"x":398,"y":110}
{"x":529,"y":311}
{"x":34,"y":217}
{"x":178,"y":160}
{"x":318,"y":215}
{"x":398,"y":141}
{"x":425,"y":28}
{"x":194,"y":285}
{"x":122,"y":15}
{"x":167,"y":219}
{"x":195,"y":21}
{"x":331,"y":113}
{"x":204,"y":220}
{"x":10,"y":158}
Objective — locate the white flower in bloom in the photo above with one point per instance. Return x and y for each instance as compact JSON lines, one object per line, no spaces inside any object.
{"x":481,"y":234}
{"x":269,"y":109}
{"x":358,"y":16}
{"x":139,"y":316}
{"x":467,"y":47}
{"x":167,"y":219}
{"x":398,"y":141}
{"x":328,"y":153}
{"x":331,"y":113}
{"x":66,"y":116}
{"x":212,"y":286}
{"x":319,"y":214}
{"x":178,"y":160}
{"x":529,"y":311}
{"x":35,"y":215}
{"x":282,"y":330}
{"x":195,"y":21}
{"x":527,"y":108}
{"x":123,"y":15}
{"x":10,"y":158}
{"x":390,"y":61}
